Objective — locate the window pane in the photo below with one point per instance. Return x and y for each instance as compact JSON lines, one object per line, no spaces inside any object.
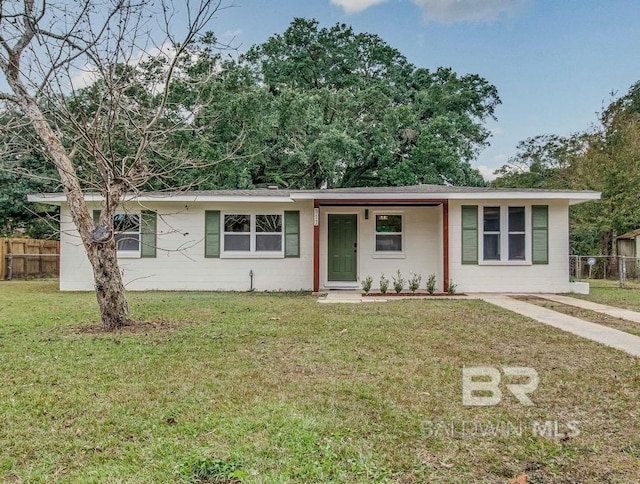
{"x":268,"y":223}
{"x":128,"y":241}
{"x":492,"y":219}
{"x":124,"y":222}
{"x":388,"y":223}
{"x":516,"y":246}
{"x":516,"y":219}
{"x":237,"y":242}
{"x":491,"y":247}
{"x":269,"y":243}
{"x":390,"y":243}
{"x":237,"y":223}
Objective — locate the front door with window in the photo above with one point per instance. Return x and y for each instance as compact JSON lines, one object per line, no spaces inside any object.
{"x":342,"y":247}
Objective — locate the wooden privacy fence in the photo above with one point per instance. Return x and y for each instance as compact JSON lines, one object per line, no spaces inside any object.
{"x":24,"y":258}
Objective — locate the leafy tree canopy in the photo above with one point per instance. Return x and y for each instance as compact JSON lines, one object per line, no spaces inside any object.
{"x":320,"y":107}
{"x":606,"y":159}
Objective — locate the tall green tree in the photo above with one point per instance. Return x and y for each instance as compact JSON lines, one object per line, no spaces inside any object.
{"x":329,"y":107}
{"x":606,"y":160}
{"x":543,"y":161}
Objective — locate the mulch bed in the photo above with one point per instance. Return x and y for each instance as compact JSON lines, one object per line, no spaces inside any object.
{"x":411,"y":294}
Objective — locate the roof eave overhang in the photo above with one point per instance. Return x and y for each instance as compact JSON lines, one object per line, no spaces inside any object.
{"x":572,"y":197}
{"x":58,"y":199}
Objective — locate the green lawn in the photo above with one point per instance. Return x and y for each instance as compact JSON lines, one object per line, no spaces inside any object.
{"x":627,"y":326}
{"x":609,"y":292}
{"x":278,"y":388}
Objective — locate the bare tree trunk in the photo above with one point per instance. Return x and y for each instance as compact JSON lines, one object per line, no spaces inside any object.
{"x":114,"y":309}
{"x":43,"y":45}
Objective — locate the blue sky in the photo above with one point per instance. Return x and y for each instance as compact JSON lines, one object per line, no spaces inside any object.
{"x":555,"y":62}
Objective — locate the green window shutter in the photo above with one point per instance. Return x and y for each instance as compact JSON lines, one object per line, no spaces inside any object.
{"x":292,"y":234}
{"x":540,"y":234}
{"x":96,"y":217}
{"x":212,"y":233}
{"x":469,"y":234}
{"x":148,"y":230}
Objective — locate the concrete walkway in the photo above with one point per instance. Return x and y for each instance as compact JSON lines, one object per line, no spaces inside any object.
{"x":347,"y":297}
{"x":599,"y":308}
{"x":595,"y":332}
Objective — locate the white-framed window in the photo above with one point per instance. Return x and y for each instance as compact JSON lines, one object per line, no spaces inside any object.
{"x":126,"y":227}
{"x":252,"y":233}
{"x":517,"y":233}
{"x":237,"y":232}
{"x":491,"y":233}
{"x":268,"y":233}
{"x":504,"y":234}
{"x":389,"y":238}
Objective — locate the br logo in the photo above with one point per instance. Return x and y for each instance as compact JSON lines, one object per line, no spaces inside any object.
{"x":481,"y":384}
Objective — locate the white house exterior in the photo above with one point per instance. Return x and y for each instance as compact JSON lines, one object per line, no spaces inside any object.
{"x":483,"y":239}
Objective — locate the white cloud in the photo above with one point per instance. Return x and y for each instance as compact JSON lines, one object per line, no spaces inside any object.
{"x":353,"y":6}
{"x":88,"y":74}
{"x":446,"y":11}
{"x":450,"y":11}
{"x":487,"y":172}
{"x":84,"y":77}
{"x":500,"y":159}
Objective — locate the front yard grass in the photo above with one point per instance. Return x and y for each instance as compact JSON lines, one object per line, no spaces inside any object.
{"x":610,"y":293}
{"x":278,"y":388}
{"x":630,"y":327}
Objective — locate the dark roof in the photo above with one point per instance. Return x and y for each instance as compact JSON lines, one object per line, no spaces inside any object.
{"x":283,"y":192}
{"x":433,"y":189}
{"x":249,"y":192}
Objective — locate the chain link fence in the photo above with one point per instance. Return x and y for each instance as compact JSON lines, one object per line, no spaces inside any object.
{"x":620,"y":268}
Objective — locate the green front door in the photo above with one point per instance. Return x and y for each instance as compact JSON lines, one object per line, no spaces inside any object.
{"x":342,"y":247}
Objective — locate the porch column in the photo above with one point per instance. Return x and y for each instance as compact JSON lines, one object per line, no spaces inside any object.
{"x":445,"y":244}
{"x":316,"y":246}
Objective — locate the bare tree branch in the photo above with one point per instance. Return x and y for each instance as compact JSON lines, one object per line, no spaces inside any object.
{"x":94,"y":83}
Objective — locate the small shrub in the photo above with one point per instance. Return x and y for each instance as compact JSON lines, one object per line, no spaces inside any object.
{"x":212,"y":470}
{"x":366,"y":284}
{"x":384,"y":284}
{"x":398,"y":282}
{"x":414,"y":282}
{"x":451,"y":288}
{"x":431,"y":284}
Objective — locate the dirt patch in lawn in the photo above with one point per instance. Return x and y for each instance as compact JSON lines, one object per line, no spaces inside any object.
{"x":586,"y":314}
{"x":135,"y":327}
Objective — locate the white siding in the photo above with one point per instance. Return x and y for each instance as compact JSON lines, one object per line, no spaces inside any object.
{"x":422,"y":245}
{"x":180,"y":263}
{"x":509,"y":277}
